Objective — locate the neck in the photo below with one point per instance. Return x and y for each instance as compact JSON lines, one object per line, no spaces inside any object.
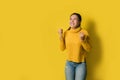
{"x":75,"y":29}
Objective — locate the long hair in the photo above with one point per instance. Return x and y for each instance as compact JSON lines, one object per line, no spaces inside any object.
{"x":79,"y":18}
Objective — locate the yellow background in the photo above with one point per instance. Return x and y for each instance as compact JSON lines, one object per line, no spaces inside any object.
{"x":29,"y":43}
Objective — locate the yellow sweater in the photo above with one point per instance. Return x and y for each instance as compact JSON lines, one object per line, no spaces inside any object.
{"x":76,"y":49}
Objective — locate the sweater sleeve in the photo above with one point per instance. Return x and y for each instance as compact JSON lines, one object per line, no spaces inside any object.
{"x":62,"y":42}
{"x":86,"y":43}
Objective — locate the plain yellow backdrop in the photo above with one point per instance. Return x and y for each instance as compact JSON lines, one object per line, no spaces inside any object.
{"x":29,"y":43}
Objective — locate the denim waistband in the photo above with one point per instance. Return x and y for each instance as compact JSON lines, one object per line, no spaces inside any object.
{"x":75,"y":62}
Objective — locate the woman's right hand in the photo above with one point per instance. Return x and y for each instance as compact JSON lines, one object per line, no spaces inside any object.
{"x":60,"y":32}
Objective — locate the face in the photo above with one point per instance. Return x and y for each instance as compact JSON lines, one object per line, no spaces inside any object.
{"x":74,"y":21}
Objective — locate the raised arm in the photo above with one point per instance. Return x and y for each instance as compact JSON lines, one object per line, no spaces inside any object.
{"x":85,"y":41}
{"x":62,"y":39}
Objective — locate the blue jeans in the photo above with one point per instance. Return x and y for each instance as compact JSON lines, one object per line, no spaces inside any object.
{"x":75,"y":71}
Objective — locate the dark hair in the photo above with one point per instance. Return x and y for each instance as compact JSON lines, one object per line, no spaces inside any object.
{"x":79,"y":17}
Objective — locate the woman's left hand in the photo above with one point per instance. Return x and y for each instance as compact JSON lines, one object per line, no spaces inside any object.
{"x":82,"y":36}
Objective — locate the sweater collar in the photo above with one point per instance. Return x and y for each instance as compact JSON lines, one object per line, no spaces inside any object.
{"x":76,"y":29}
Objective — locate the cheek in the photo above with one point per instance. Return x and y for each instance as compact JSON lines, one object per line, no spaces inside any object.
{"x":76,"y":22}
{"x":70,"y":23}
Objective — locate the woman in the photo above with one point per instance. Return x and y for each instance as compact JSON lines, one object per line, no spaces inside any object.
{"x":76,"y":41}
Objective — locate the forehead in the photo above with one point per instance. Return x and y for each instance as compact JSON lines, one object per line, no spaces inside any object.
{"x":74,"y":16}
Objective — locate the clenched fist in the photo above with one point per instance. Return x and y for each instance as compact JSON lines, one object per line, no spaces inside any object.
{"x":60,"y":32}
{"x":82,"y":36}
